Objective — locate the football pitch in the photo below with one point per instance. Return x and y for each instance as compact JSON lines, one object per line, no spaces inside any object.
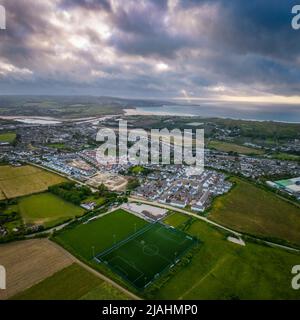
{"x":145,"y":255}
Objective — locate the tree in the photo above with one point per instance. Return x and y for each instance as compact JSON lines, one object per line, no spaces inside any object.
{"x":103,"y":190}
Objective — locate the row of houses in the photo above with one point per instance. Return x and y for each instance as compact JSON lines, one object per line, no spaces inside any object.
{"x":181,"y":190}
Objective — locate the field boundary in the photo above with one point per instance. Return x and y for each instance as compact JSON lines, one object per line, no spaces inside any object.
{"x":97,"y":273}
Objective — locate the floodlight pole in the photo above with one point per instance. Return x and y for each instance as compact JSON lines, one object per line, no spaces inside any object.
{"x":93,"y":249}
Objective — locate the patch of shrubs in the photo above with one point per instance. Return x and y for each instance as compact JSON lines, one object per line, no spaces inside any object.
{"x":71,"y":192}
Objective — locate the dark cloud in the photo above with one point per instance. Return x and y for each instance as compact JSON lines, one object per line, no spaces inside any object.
{"x":87,"y":4}
{"x":142,"y":30}
{"x":260,"y":27}
{"x":23,"y":22}
{"x":163,"y":46}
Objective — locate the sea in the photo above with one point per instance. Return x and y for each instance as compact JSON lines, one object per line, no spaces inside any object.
{"x":265,"y":112}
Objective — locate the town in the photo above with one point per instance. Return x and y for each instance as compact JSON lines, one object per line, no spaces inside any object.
{"x":70,"y":148}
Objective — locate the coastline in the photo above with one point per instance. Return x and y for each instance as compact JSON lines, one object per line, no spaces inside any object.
{"x":52,"y":121}
{"x":127,"y":112}
{"x":135,"y":112}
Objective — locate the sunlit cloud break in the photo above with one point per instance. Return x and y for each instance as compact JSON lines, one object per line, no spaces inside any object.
{"x":268,"y":99}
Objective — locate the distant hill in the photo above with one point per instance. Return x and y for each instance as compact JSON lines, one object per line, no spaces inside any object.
{"x":69,"y":106}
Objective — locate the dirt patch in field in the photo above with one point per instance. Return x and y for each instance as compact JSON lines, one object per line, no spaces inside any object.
{"x":29,"y":262}
{"x":113,"y":182}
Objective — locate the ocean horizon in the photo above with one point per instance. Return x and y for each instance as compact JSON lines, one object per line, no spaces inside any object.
{"x":276,"y":113}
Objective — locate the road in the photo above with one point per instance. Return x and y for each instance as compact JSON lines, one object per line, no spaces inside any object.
{"x":165,"y":206}
{"x":237,"y":234}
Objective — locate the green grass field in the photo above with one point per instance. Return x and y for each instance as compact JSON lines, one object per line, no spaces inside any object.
{"x":100,"y":234}
{"x":232,"y":147}
{"x":72,"y":283}
{"x":144,"y":256}
{"x":59,"y":146}
{"x":286,"y":156}
{"x":99,"y":201}
{"x":137,"y":169}
{"x":223,"y":270}
{"x":252,"y":210}
{"x":219,"y":269}
{"x":175,"y":219}
{"x":8,"y":137}
{"x":15,"y":223}
{"x":25,"y":180}
{"x":47,"y":209}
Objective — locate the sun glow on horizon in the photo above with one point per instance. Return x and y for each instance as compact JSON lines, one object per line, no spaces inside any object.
{"x":267,"y":99}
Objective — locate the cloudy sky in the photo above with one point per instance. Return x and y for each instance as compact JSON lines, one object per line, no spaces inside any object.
{"x":232,"y":50}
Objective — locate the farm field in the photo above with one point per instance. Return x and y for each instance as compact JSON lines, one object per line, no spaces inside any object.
{"x":2,"y":196}
{"x":232,"y":147}
{"x":286,"y":156}
{"x":72,"y":283}
{"x":100,"y":234}
{"x":29,"y":262}
{"x":252,"y":210}
{"x":223,"y":270}
{"x":59,"y":146}
{"x":145,"y":255}
{"x":8,"y":137}
{"x":47,"y":209}
{"x":25,"y":180}
{"x":175,"y":219}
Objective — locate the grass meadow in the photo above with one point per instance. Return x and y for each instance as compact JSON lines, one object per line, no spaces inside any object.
{"x":175,"y":219}
{"x":250,"y":209}
{"x":72,"y":283}
{"x":232,"y":147}
{"x":47,"y":209}
{"x":8,"y":137}
{"x":25,"y":180}
{"x":223,"y":270}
